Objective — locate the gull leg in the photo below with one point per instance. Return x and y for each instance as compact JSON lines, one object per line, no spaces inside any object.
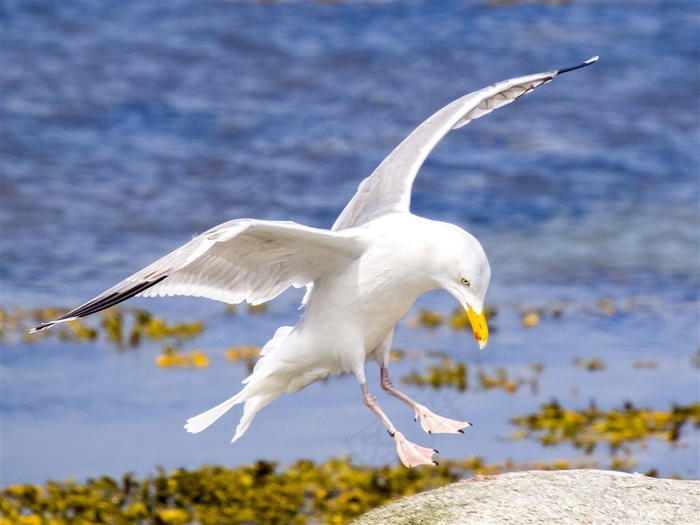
{"x":430,"y":422}
{"x":409,"y":453}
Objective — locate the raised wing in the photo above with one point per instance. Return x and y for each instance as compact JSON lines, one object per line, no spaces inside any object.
{"x":239,"y":260}
{"x":389,"y":187}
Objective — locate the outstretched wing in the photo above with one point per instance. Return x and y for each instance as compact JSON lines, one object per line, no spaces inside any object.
{"x":239,"y":260}
{"x":389,"y":187}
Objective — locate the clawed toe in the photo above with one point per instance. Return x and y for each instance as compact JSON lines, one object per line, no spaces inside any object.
{"x":434,"y":424}
{"x":411,"y":454}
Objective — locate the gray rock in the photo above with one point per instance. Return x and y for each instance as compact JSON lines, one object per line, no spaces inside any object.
{"x":537,"y":497}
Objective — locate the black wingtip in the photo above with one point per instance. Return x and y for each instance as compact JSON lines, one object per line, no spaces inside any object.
{"x":101,"y":302}
{"x":578,"y":66}
{"x":42,"y":326}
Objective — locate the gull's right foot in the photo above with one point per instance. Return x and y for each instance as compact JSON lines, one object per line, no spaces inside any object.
{"x":411,"y":454}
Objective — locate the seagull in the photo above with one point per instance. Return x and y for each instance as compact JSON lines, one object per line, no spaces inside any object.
{"x":361,"y":277}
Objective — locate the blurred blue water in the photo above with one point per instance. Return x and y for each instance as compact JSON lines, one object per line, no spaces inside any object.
{"x":126,"y":128}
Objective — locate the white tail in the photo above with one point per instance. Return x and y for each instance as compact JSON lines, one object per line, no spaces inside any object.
{"x":262,"y":387}
{"x":252,"y":406}
{"x":198,"y":423}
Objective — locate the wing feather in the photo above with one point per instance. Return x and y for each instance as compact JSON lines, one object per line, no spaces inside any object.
{"x":388,"y":189}
{"x":241,"y":260}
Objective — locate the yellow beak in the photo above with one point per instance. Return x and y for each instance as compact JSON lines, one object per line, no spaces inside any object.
{"x":481,"y":329}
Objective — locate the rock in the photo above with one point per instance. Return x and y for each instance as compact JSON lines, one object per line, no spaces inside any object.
{"x":538,"y":497}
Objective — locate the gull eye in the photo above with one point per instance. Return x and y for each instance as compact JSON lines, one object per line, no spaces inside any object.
{"x":465,"y":281}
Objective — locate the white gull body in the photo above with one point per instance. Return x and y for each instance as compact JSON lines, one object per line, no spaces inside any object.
{"x":361,"y":276}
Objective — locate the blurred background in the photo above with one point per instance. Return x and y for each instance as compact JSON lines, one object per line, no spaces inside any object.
{"x":128,"y":127}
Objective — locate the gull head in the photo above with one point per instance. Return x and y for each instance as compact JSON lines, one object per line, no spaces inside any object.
{"x":462,"y":269}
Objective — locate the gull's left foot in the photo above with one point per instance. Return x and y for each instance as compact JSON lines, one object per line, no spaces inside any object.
{"x":434,"y":424}
{"x":411,"y":454}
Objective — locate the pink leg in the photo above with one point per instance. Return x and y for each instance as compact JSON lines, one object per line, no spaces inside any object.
{"x":431,"y":423}
{"x":409,"y":453}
